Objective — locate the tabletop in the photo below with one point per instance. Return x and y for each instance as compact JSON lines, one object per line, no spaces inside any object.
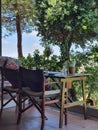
{"x":63,"y":75}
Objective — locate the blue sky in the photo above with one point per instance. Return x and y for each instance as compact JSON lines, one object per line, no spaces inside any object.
{"x":30,"y":42}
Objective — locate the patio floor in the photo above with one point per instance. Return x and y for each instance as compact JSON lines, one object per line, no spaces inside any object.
{"x":31,"y":120}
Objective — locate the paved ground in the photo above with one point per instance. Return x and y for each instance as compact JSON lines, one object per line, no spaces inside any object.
{"x":31,"y":120}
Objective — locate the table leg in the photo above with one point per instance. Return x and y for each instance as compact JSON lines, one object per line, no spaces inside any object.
{"x":84,"y":99}
{"x":62,"y":105}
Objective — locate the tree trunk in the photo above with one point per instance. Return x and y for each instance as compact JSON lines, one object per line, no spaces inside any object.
{"x":19,"y":36}
{"x":65,"y":48}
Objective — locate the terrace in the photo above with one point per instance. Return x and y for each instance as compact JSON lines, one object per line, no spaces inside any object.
{"x":31,"y":120}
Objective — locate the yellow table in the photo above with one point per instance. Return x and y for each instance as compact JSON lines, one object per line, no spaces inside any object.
{"x":64,"y":95}
{"x":64,"y":92}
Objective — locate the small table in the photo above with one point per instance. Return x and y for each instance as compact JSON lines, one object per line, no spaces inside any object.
{"x":64,"y":92}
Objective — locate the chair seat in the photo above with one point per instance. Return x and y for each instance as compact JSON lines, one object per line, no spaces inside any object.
{"x":47,"y":93}
{"x":28,"y":91}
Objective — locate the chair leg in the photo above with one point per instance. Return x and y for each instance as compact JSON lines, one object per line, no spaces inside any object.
{"x":19,"y":118}
{"x":1,"y":104}
{"x":19,"y":99}
{"x":38,"y":106}
{"x":43,"y":114}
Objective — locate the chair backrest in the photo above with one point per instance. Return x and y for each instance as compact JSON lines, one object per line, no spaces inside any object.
{"x":32,"y":78}
{"x":10,"y":75}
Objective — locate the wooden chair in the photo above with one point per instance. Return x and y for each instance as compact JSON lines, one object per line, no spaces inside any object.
{"x":9,"y":81}
{"x":33,"y":86}
{"x":10,"y":89}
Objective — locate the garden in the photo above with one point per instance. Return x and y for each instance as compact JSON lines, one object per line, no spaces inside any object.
{"x":85,"y":63}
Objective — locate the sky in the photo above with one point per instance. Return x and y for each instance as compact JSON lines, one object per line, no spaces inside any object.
{"x":30,"y":42}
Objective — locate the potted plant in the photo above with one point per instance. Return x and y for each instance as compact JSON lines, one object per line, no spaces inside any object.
{"x":71,"y":66}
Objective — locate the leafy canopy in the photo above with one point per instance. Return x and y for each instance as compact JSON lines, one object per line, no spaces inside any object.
{"x":74,"y":21}
{"x":26,"y":11}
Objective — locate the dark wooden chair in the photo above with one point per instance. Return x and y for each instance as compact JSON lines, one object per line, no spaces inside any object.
{"x":27,"y":85}
{"x":33,"y":86}
{"x":9,"y":70}
{"x":10,"y":90}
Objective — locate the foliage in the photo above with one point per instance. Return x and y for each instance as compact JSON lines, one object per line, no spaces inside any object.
{"x":18,"y":16}
{"x":25,"y":9}
{"x":89,"y":63}
{"x":27,"y":62}
{"x":53,"y":62}
{"x":38,"y":61}
{"x":48,"y":51}
{"x":71,"y":63}
{"x":67,"y":22}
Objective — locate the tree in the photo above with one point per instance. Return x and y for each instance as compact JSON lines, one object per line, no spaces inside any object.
{"x":48,"y":51}
{"x":18,"y":17}
{"x":64,"y":23}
